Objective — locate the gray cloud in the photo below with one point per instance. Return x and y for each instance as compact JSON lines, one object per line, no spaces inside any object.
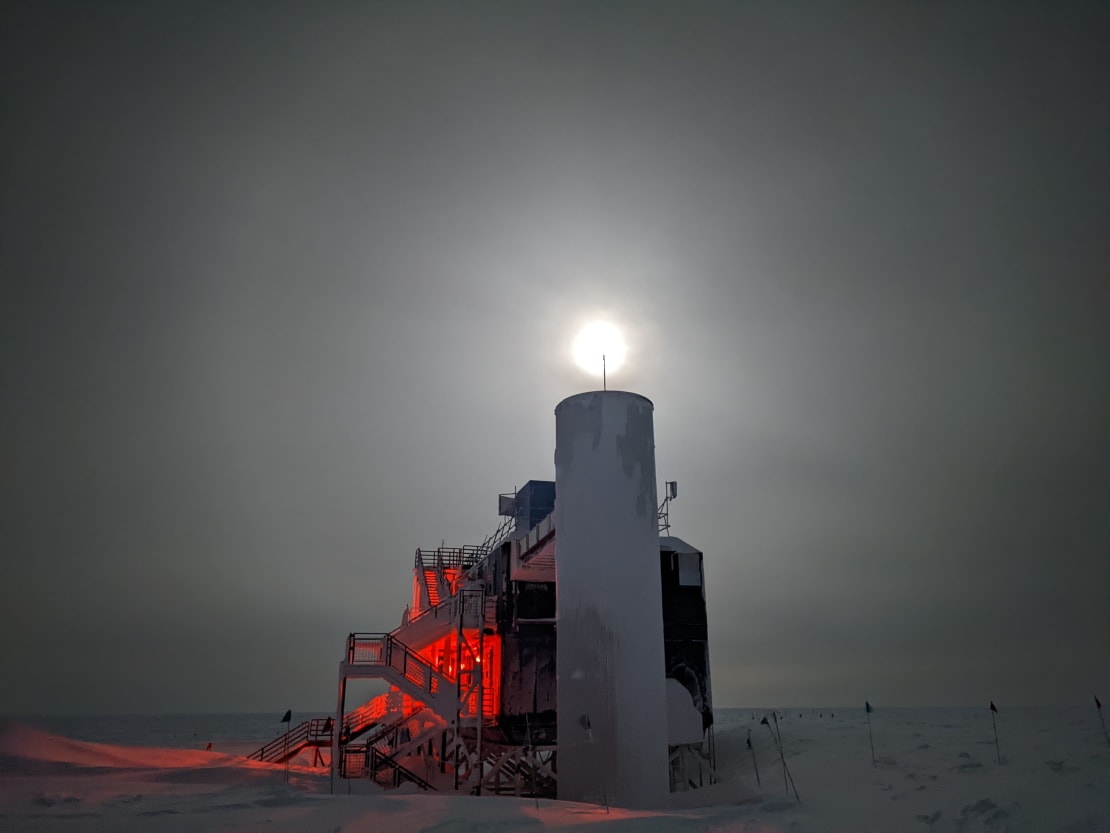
{"x":289,"y":293}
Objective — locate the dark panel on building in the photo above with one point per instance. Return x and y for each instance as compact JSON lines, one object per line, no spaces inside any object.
{"x":685,"y":623}
{"x":535,"y":600}
{"x":528,"y":686}
{"x":535,"y":500}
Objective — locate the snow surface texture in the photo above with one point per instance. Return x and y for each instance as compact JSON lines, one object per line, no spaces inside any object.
{"x":936,"y":773}
{"x":612,"y":698}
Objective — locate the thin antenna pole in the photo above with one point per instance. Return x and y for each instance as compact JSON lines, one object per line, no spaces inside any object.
{"x":604,"y":382}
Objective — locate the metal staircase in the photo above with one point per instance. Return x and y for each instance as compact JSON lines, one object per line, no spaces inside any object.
{"x":381,"y":713}
{"x":315,"y":732}
{"x":440,"y":571}
{"x":444,"y":602}
{"x":382,"y":656}
{"x":429,"y":625}
{"x":520,"y":771}
{"x":370,"y":762}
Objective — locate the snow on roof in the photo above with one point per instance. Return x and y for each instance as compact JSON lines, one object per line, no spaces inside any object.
{"x":669,"y":543}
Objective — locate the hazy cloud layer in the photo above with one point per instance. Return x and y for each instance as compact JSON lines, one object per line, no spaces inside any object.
{"x":289,"y":291}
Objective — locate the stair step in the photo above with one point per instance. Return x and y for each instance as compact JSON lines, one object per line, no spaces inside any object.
{"x":433,"y":586}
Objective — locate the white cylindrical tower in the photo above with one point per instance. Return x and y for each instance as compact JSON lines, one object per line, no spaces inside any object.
{"x":612,"y":700}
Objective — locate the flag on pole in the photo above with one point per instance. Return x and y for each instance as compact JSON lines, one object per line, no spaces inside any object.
{"x":994,"y":708}
{"x":286,"y":718}
{"x":1098,"y":703}
{"x":870,"y":737}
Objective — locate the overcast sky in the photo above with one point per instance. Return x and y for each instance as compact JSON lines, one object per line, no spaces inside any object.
{"x":289,"y":291}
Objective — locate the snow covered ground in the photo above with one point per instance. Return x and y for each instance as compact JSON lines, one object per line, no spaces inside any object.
{"x":936,"y":770}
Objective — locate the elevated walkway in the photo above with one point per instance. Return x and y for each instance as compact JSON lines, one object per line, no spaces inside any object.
{"x":382,"y":656}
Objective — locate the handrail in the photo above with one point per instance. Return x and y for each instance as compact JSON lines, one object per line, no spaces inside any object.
{"x":372,"y":762}
{"x":421,"y":726}
{"x":379,"y":759}
{"x":504,"y":529}
{"x":357,"y":721}
{"x":315,"y":731}
{"x":396,"y":722}
{"x":434,"y":612}
{"x":464,"y":557}
{"x":382,"y":649}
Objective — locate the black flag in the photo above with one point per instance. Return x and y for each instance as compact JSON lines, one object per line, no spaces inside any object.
{"x":867,"y":706}
{"x":288,"y":716}
{"x":993,"y":707}
{"x":1098,"y":703}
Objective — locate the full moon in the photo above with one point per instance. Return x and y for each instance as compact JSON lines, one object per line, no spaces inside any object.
{"x":597,"y":339}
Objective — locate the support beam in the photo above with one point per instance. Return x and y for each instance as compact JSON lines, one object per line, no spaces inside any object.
{"x":337,"y":727}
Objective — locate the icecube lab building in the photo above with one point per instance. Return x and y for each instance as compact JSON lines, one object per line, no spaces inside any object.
{"x":567,"y":655}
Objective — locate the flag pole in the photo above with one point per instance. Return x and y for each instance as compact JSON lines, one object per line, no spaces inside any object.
{"x":870,"y":737}
{"x":288,"y":719}
{"x":778,"y":742}
{"x":788,"y":779}
{"x":604,"y":383}
{"x":755,"y":765}
{"x":994,"y":711}
{"x":1098,"y":705}
{"x":767,"y":723}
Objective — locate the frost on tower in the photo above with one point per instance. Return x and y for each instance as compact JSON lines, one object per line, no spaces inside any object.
{"x":611,"y":666}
